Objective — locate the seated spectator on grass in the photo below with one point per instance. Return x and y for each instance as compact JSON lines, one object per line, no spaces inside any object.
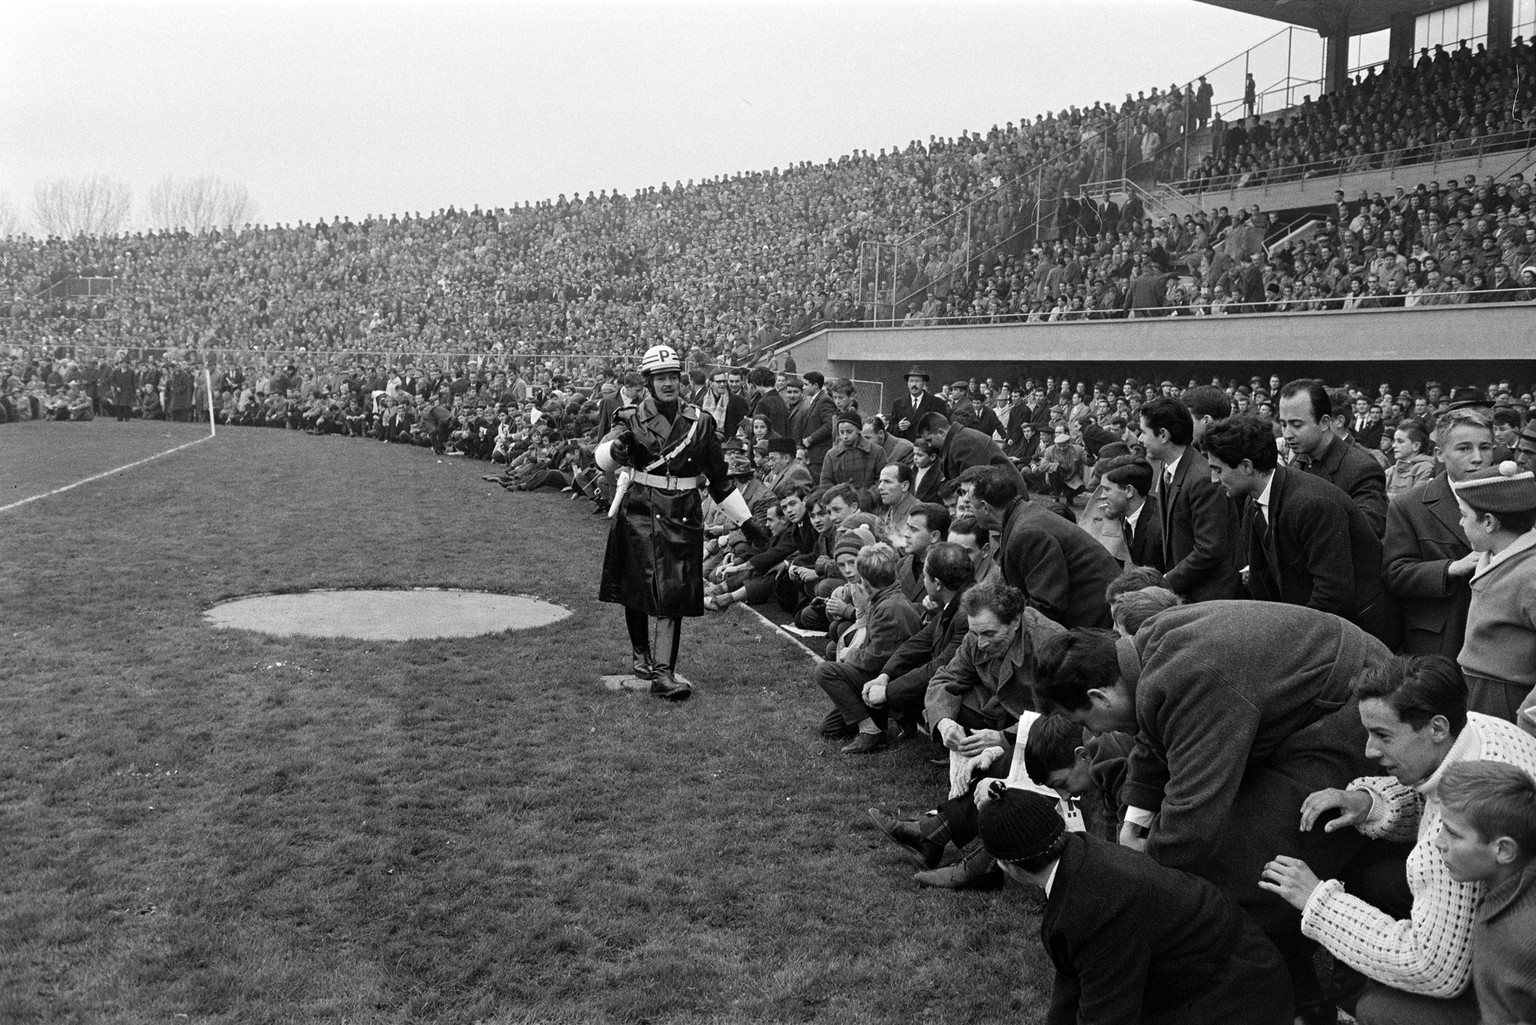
{"x":926,"y":523}
{"x":894,"y":489}
{"x":1414,"y":947}
{"x":1130,"y":939}
{"x":886,"y":621}
{"x":1488,"y":838}
{"x":897,"y":694}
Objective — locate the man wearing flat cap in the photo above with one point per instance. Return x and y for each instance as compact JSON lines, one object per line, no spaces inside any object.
{"x":907,"y":410}
{"x":1130,"y":939}
{"x":854,"y":460}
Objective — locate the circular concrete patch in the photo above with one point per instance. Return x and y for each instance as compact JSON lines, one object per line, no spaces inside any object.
{"x":419,"y":613}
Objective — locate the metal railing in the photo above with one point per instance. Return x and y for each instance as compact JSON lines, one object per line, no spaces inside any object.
{"x":1185,"y":310}
{"x":1432,"y":154}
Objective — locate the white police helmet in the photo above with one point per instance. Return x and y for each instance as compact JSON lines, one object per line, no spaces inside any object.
{"x":660,"y":359}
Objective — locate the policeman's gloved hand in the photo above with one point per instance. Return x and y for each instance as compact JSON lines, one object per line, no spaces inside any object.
{"x":756,"y":534}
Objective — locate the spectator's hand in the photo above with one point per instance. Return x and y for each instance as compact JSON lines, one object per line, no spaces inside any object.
{"x":979,"y":741}
{"x":1291,"y":879}
{"x":1133,"y":836}
{"x":874,"y":691}
{"x":1352,"y":807}
{"x":1464,"y":566}
{"x":905,"y":425}
{"x":837,"y":606}
{"x":739,"y":569}
{"x":951,"y":733}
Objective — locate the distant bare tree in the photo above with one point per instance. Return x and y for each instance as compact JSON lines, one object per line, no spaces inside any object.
{"x":10,"y":220}
{"x":199,"y":204}
{"x":93,"y":205}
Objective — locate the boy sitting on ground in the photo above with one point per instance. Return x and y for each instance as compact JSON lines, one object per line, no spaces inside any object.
{"x":1488,"y":836}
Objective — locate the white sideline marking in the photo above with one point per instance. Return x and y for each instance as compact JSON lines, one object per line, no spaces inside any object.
{"x":107,"y":473}
{"x":791,"y":638}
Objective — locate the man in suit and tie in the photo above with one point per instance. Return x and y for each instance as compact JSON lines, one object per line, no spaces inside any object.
{"x":1198,"y":523}
{"x":813,"y":426}
{"x":910,"y":408}
{"x":1305,"y":542}
{"x":1127,"y":483}
{"x":1306,"y":420}
{"x":1366,"y":426}
{"x":1427,"y":562}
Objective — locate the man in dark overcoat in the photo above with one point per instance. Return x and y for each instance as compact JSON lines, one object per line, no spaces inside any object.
{"x":1131,"y":940}
{"x":665,"y":450}
{"x":908,"y":409}
{"x":1240,"y":709}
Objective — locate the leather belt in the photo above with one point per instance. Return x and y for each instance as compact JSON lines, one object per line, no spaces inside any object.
{"x":669,"y":483}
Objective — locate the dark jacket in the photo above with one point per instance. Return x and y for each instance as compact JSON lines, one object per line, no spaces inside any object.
{"x":1145,"y":544}
{"x":1199,"y":532}
{"x":902,"y":409}
{"x":1242,"y":710}
{"x":1351,"y":468}
{"x":997,"y":689}
{"x":1319,"y":551}
{"x":814,"y":419}
{"x":1133,"y":941}
{"x":655,"y":557}
{"x":1424,"y":537}
{"x":771,"y":405}
{"x":965,"y":447}
{"x":931,"y":648}
{"x":1061,"y":570}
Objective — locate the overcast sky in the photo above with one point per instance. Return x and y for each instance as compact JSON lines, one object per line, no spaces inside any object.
{"x":323,"y":109}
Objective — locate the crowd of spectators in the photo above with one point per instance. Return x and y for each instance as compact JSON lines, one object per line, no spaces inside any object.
{"x":1445,"y":105}
{"x":1288,"y":533}
{"x":1467,"y":241}
{"x":726,"y":268}
{"x":1305,"y":580}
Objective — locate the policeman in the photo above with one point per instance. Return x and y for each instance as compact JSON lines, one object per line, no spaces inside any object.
{"x":664,"y":450}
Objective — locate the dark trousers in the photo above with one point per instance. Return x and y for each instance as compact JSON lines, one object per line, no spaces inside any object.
{"x":844,"y":684}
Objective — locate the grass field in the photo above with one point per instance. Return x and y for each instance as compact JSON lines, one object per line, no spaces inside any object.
{"x":216,"y":826}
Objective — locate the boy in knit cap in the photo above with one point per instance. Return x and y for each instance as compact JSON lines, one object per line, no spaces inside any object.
{"x":1130,"y":939}
{"x":1488,"y":836}
{"x":1498,"y":658}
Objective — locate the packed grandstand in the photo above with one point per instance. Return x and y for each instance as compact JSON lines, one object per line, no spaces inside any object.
{"x":512,"y":335}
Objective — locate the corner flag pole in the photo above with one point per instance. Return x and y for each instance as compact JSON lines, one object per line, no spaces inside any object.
{"x":213,"y":423}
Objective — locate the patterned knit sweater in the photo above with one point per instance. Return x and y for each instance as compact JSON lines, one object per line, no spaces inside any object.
{"x":1431,"y":952}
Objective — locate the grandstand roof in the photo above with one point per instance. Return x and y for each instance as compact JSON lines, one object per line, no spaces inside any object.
{"x":1329,"y":16}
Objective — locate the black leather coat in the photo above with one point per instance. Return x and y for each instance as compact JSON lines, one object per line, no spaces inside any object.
{"x":655,"y":558}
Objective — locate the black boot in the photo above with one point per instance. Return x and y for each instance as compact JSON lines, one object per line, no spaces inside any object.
{"x":643,"y":668}
{"x":665,"y":685}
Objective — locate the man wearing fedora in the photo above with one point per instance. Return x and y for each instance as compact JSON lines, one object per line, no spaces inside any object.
{"x":907,"y":410}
